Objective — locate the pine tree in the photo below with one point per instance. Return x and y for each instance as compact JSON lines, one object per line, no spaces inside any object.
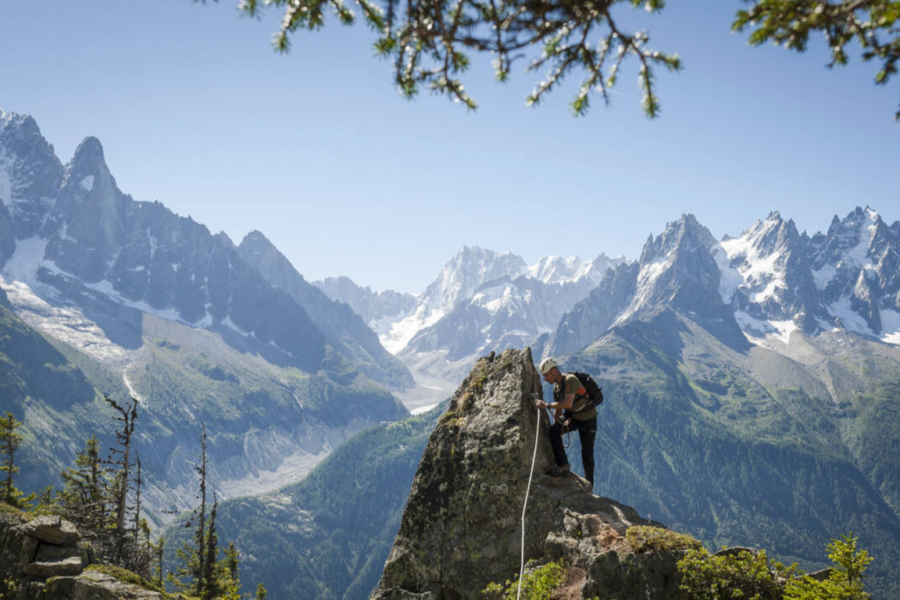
{"x":261,"y":592}
{"x":85,"y":496}
{"x":194,"y":555}
{"x":213,"y":585}
{"x":845,"y":581}
{"x":120,"y":459}
{"x":200,"y":534}
{"x":232,"y":556}
{"x":9,"y":443}
{"x":47,"y":503}
{"x":160,"y":551}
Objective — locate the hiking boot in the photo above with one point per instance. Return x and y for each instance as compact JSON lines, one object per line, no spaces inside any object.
{"x":558,"y":470}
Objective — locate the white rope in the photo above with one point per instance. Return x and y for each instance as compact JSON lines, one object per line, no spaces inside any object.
{"x":537,"y":431}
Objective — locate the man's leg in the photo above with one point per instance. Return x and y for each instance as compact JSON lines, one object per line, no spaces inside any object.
{"x":556,"y":442}
{"x":587,"y":434}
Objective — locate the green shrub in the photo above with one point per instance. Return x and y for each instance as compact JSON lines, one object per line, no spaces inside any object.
{"x":845,"y":581}
{"x":744,"y":575}
{"x":539,"y":584}
{"x":643,"y":538}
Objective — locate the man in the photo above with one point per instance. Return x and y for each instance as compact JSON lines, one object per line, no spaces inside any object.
{"x":571,"y":409}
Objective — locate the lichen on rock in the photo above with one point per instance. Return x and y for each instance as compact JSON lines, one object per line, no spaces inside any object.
{"x":461,"y":529}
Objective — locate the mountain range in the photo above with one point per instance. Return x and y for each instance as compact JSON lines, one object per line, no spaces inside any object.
{"x":131,"y":299}
{"x":768,"y":283}
{"x":480,"y":302}
{"x":752,"y":385}
{"x":755,"y":289}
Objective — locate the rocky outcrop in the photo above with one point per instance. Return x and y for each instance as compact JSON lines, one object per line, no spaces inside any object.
{"x":45,"y":559}
{"x":461,"y":528}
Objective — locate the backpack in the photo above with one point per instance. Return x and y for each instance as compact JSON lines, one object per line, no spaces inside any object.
{"x":595,"y":393}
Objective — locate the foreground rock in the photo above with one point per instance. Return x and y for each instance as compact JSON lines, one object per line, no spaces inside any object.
{"x":461,"y":527}
{"x":46,"y":559}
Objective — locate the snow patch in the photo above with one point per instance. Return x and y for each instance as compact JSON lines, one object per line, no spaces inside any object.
{"x":496,"y":298}
{"x":731,"y":277}
{"x":131,"y":391}
{"x":153,"y":243}
{"x":28,"y":258}
{"x":5,"y":179}
{"x":823,"y":276}
{"x":890,"y":321}
{"x":395,"y":335}
{"x":647,"y":276}
{"x":206,"y":320}
{"x":423,"y":409}
{"x":760,"y":331}
{"x":227,"y":322}
{"x":87,"y":184}
{"x":66,"y":324}
{"x":851,"y":320}
{"x":105,"y":287}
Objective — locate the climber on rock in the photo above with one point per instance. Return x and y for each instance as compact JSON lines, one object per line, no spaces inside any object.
{"x":572,"y":407}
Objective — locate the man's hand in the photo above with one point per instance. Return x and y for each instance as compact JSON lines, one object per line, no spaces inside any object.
{"x":540,"y":404}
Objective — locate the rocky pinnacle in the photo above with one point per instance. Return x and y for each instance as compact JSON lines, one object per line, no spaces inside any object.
{"x":461,"y":527}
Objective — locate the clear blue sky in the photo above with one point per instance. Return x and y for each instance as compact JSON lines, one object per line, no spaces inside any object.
{"x":317,"y":150}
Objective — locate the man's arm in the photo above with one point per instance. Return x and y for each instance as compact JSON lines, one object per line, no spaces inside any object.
{"x":560,"y":406}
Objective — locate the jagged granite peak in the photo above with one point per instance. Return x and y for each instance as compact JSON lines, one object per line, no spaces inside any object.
{"x":90,"y":149}
{"x":260,"y":252}
{"x":96,"y":246}
{"x":85,"y":225}
{"x":864,"y":300}
{"x":766,"y":276}
{"x":30,"y":174}
{"x":852,"y":233}
{"x":343,"y":328}
{"x":557,"y":269}
{"x":590,"y":318}
{"x":856,"y":268}
{"x":461,"y":526}
{"x":470,"y":267}
{"x":502,"y":313}
{"x":677,"y":270}
{"x":370,"y":305}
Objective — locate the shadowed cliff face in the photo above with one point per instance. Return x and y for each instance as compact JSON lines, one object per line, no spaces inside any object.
{"x":461,"y":527}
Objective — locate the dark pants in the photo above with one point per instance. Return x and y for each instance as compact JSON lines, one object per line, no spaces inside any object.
{"x":587,"y":433}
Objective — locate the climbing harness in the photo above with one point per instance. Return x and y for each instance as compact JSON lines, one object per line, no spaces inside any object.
{"x":537,"y":433}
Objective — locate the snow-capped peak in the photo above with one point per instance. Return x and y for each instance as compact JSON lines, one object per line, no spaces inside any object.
{"x":754,"y":262}
{"x":847,"y":247}
{"x":556,"y":269}
{"x":469,"y":268}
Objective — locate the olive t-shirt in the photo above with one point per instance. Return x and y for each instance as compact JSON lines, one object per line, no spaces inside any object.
{"x":571,"y":385}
